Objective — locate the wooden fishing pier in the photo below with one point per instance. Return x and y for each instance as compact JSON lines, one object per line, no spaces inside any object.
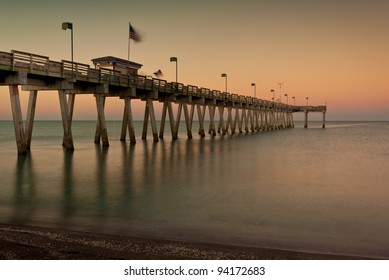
{"x":113,"y":77}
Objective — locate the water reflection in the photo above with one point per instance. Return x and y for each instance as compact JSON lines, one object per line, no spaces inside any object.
{"x":68,"y":202}
{"x":101,"y":179}
{"x":245,"y":189}
{"x":128,"y":180}
{"x":24,"y":190}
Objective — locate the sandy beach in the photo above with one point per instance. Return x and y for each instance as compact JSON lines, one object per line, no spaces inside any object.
{"x":24,"y":243}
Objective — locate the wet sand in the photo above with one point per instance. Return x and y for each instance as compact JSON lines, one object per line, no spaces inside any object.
{"x":24,"y":243}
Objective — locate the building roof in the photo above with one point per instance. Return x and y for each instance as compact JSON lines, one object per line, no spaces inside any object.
{"x":111,"y":60}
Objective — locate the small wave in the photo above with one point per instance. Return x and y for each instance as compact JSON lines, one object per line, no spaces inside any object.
{"x":345,"y":125}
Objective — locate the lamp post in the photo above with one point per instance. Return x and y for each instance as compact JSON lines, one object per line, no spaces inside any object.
{"x":272,"y":91}
{"x":255,"y":89}
{"x":286,"y":99}
{"x":280,"y":84}
{"x":174,"y":59}
{"x":224,"y":75}
{"x":307,"y":100}
{"x":65,"y":26}
{"x":294,"y":100}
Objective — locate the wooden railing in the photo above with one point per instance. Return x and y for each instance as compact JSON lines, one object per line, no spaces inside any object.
{"x":5,"y":59}
{"x":35,"y":62}
{"x":41,"y":65}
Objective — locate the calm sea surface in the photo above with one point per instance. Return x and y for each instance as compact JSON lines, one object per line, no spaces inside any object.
{"x":316,"y":190}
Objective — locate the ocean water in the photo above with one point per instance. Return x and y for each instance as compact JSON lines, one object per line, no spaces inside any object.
{"x":314,"y":190}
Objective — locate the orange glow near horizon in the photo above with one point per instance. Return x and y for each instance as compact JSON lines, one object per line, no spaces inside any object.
{"x":333,"y":52}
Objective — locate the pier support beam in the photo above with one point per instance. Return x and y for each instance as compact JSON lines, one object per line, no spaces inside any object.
{"x":221,"y":128}
{"x":66,"y":121}
{"x":306,"y":119}
{"x":128,"y":122}
{"x":163,"y":120}
{"x":324,"y":119}
{"x":191,"y":116}
{"x":236,"y":119}
{"x":17,"y":118}
{"x":271,"y":119}
{"x":256,"y":119}
{"x":263,"y":120}
{"x":245,"y":119}
{"x":229,"y":119}
{"x":98,"y":132}
{"x":101,"y":129}
{"x":171,"y":120}
{"x":212,"y":129}
{"x":153,"y":120}
{"x":23,"y":134}
{"x":201,"y":115}
{"x":149,"y":112}
{"x":177,"y":121}
{"x":71,"y":99}
{"x":287,"y":120}
{"x":251,"y":118}
{"x":188,"y":121}
{"x":167,"y":108}
{"x":30,"y":117}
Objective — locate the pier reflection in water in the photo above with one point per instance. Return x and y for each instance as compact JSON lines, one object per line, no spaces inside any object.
{"x":315,"y":190}
{"x":116,"y":188}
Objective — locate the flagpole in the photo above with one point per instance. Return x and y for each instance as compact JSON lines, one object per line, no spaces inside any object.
{"x":129,"y":40}
{"x":72,"y":52}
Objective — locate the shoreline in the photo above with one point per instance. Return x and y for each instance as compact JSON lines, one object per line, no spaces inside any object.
{"x":35,"y":243}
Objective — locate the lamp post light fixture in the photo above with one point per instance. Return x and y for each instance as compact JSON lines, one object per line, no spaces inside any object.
{"x":294,"y":100}
{"x":65,"y":26}
{"x":255,"y":89}
{"x":224,"y":75}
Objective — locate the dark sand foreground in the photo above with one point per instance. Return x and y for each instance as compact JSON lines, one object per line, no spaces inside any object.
{"x":23,"y":243}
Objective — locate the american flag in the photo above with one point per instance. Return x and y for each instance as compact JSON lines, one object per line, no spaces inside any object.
{"x":134,"y":35}
{"x":158,"y":73}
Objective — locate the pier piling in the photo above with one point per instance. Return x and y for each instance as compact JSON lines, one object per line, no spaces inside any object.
{"x":127,"y":123}
{"x":200,"y":114}
{"x":306,"y":119}
{"x":17,"y":119}
{"x":149,"y":113}
{"x":102,"y":127}
{"x":30,"y":117}
{"x":188,"y":121}
{"x":66,"y":122}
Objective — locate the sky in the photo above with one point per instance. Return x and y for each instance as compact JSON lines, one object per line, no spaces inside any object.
{"x":335,"y":52}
